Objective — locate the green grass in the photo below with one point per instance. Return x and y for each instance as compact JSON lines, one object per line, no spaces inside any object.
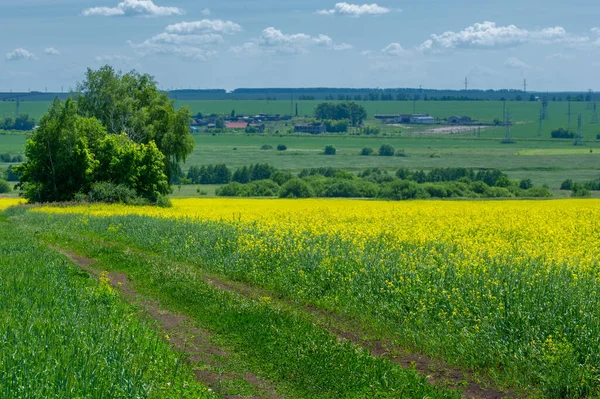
{"x":502,"y":348}
{"x":552,"y":160}
{"x":63,"y":335}
{"x":304,"y":359}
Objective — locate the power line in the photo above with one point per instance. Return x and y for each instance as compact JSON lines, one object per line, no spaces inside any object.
{"x":524,"y":85}
{"x":466,"y":83}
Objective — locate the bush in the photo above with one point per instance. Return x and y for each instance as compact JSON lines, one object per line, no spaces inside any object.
{"x":525,"y":184}
{"x":538,"y":192}
{"x":281,"y":147}
{"x":266,"y":147}
{"x":4,"y":187}
{"x":386,"y":150}
{"x":296,"y":188}
{"x":11,"y":175}
{"x":562,"y":133}
{"x":402,"y":190}
{"x":401,"y":153}
{"x":230,"y":190}
{"x":578,"y":191}
{"x":370,"y":130}
{"x":330,"y":150}
{"x":111,"y":193}
{"x":367,"y":151}
{"x":567,"y":184}
{"x":281,"y":177}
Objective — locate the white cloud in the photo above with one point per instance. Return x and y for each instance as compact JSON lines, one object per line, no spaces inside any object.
{"x":206,"y":12}
{"x":489,"y":35}
{"x":188,"y":40}
{"x":173,"y":38}
{"x":112,"y":58}
{"x":595,"y":31}
{"x":274,"y":41}
{"x":20,"y":54}
{"x":355,"y":10}
{"x":515,"y":63}
{"x":394,"y":49}
{"x":205,"y":25}
{"x":51,"y":51}
{"x":132,"y":8}
{"x":365,"y":53}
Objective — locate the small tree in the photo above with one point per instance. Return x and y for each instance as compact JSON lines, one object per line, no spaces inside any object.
{"x":296,"y":188}
{"x":386,"y":150}
{"x":330,"y":150}
{"x":281,"y":147}
{"x":367,"y":151}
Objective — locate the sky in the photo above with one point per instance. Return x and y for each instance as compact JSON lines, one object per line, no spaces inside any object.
{"x":191,"y":44}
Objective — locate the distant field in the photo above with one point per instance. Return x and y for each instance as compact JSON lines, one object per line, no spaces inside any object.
{"x":524,"y":115}
{"x":544,"y":160}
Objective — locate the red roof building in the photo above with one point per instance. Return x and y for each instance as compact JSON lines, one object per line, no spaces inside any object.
{"x":236,"y":125}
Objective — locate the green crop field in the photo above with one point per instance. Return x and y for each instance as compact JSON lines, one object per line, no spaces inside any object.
{"x":544,"y":160}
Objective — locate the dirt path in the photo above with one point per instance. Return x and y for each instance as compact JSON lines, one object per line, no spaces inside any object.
{"x":207,"y":358}
{"x":178,"y":328}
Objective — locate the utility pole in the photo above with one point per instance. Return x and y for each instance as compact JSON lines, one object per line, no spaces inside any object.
{"x":466,"y":84}
{"x":579,"y":137}
{"x":524,"y":85}
{"x":595,"y":114}
{"x":508,"y":133}
{"x":545,"y":107}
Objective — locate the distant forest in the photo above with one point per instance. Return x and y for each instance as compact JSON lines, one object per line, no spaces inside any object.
{"x":341,"y":94}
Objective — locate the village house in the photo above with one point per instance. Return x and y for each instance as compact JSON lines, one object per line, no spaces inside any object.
{"x":312,"y":128}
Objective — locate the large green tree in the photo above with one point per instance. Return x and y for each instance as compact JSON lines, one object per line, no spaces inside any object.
{"x":59,"y":163}
{"x":69,"y":152}
{"x":132,"y":104}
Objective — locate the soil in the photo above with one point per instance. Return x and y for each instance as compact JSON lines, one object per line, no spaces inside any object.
{"x":200,"y":350}
{"x":179,"y":331}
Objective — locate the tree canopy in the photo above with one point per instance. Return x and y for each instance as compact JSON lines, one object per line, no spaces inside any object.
{"x":349,"y":110}
{"x":132,"y":104}
{"x":68,"y":153}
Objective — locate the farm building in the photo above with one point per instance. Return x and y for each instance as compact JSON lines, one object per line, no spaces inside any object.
{"x":455,"y":120}
{"x":387,"y":116}
{"x":312,"y":128}
{"x":259,"y":127}
{"x":408,"y":119}
{"x":422,"y":120}
{"x":236,"y":125}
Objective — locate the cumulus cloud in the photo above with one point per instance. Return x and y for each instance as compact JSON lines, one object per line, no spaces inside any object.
{"x":51,"y":51}
{"x":515,"y":63}
{"x":275,"y":41}
{"x":133,"y":8}
{"x":112,"y":58}
{"x":206,"y":12}
{"x":205,"y":25}
{"x":188,"y":40}
{"x":394,"y":49}
{"x":355,"y":10}
{"x":20,"y":54}
{"x":595,"y":31}
{"x":490,"y":35}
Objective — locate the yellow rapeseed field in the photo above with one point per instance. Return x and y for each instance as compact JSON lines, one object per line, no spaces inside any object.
{"x":563,"y":231}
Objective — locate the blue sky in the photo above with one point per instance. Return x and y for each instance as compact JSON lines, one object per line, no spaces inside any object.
{"x":227,"y":44}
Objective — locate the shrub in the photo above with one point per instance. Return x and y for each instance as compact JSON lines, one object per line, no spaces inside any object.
{"x":111,"y":193}
{"x":266,"y":147}
{"x":386,"y":150}
{"x":296,"y":188}
{"x":230,"y":190}
{"x":578,"y":191}
{"x":343,"y":188}
{"x":525,"y":184}
{"x":330,"y":150}
{"x":401,"y":153}
{"x":281,"y":147}
{"x":367,"y":151}
{"x":11,"y":175}
{"x":567,"y":184}
{"x":281,"y":177}
{"x":402,"y":190}
{"x":539,"y":192}
{"x":562,"y":133}
{"x":4,"y":187}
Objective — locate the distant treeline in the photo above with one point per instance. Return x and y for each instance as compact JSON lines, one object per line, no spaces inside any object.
{"x":338,"y":94}
{"x":23,"y":123}
{"x":263,"y":180}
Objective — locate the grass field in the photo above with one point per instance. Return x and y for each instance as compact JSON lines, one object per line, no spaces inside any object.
{"x":63,"y":335}
{"x":546,"y":161}
{"x":505,"y":289}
